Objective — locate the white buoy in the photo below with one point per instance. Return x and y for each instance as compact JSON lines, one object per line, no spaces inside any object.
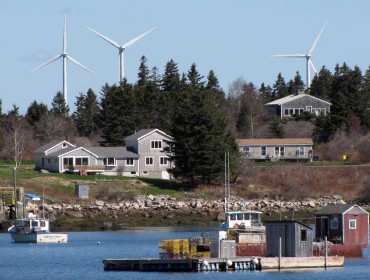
{"x":229,"y":263}
{"x":98,"y":243}
{"x":255,"y":261}
{"x":205,"y":263}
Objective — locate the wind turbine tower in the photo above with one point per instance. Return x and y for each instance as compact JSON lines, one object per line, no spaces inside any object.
{"x":65,"y":57}
{"x":309,"y":64}
{"x":121,"y":49}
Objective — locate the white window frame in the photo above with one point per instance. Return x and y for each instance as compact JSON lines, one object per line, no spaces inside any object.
{"x":352,"y":224}
{"x":106,"y":161}
{"x":163,"y":160}
{"x":156,"y":144}
{"x":301,"y":150}
{"x":129,"y":159}
{"x":309,"y":109}
{"x":286,"y":112}
{"x":151,"y":161}
{"x":263,"y":150}
{"x":245,"y":150}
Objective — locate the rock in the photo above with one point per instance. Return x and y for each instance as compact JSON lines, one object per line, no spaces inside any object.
{"x":99,"y":202}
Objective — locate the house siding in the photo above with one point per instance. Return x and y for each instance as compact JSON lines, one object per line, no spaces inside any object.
{"x":156,"y":169}
{"x":304,"y":102}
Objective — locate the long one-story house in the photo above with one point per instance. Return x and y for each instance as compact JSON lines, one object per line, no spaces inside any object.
{"x":142,"y":155}
{"x":277,"y":148}
{"x":297,"y":104}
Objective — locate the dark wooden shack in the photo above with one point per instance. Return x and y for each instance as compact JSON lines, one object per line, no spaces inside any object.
{"x":346,"y":224}
{"x":296,"y":239}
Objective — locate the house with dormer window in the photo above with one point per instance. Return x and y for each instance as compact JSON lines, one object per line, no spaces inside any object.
{"x":142,"y":155}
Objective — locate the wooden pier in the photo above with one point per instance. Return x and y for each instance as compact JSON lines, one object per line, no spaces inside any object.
{"x":218,"y":264}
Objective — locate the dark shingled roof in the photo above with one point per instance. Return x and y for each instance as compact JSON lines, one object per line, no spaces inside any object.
{"x":139,"y":134}
{"x":334,"y":209}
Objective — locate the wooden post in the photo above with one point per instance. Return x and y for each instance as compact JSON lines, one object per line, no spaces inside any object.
{"x":326,"y":251}
{"x":279,"y":253}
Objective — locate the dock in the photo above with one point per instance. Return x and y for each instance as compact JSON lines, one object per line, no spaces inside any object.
{"x":221,"y":264}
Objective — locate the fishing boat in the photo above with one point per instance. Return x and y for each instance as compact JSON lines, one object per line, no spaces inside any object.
{"x":247,"y":220}
{"x":34,"y":229}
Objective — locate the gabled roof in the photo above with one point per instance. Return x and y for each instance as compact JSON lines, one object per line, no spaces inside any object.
{"x":332,"y":209}
{"x":113,"y":152}
{"x":275,"y":141}
{"x":52,"y":144}
{"x":143,"y":133}
{"x":68,"y":150}
{"x":292,"y":97}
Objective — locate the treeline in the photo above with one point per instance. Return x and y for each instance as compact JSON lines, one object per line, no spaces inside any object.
{"x":202,"y":118}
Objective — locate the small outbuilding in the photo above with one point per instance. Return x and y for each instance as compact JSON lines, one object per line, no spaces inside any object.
{"x":296,"y":239}
{"x":346,"y":224}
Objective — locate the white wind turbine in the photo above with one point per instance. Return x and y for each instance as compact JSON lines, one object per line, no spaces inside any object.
{"x":65,"y":56}
{"x":121,"y":49}
{"x":307,"y":56}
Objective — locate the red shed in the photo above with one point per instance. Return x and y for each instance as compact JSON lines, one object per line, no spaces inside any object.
{"x":346,"y":224}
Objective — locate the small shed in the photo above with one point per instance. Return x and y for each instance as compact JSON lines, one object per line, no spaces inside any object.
{"x":346,"y":224}
{"x":296,"y":239}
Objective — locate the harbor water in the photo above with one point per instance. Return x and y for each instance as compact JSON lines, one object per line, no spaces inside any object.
{"x":81,"y":258}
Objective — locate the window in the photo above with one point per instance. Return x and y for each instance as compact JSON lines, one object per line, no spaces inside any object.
{"x":163,"y":160}
{"x":279,"y":151}
{"x":68,"y":161}
{"x":42,"y":162}
{"x":55,"y":161}
{"x":130,"y":161}
{"x":49,"y":161}
{"x":245,"y":150}
{"x":82,"y":161}
{"x":110,"y":161}
{"x":291,"y":112}
{"x":156,"y":144}
{"x":352,"y":224}
{"x":247,"y":216}
{"x":303,"y":235}
{"x":263,"y":150}
{"x":233,"y":217}
{"x":149,"y":161}
{"x":286,"y":112}
{"x":239,"y":216}
{"x":145,"y":172}
{"x":301,"y":111}
{"x":334,"y":222}
{"x":301,"y":151}
{"x":64,"y":145}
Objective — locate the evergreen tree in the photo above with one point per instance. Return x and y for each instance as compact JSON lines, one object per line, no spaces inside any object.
{"x":171,"y":77}
{"x":143,"y":75}
{"x":59,"y":106}
{"x":194,"y":78}
{"x":35,"y":112}
{"x":279,"y":89}
{"x":266,"y":93}
{"x":295,"y":86}
{"x":86,"y":114}
{"x":321,"y":84}
{"x":119,"y":114}
{"x":276,"y":128}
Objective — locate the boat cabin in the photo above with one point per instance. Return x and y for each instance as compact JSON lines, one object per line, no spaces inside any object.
{"x":242,"y":220}
{"x":31,"y":224}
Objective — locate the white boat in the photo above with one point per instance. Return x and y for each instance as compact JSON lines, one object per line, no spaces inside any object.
{"x":243,"y":220}
{"x":34,"y":229}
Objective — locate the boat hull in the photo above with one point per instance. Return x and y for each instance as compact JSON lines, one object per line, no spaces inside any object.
{"x":55,"y":237}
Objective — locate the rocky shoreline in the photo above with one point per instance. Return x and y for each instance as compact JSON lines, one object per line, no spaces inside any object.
{"x":169,"y":204}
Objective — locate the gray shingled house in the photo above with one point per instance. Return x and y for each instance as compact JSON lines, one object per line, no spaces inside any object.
{"x":297,"y":104}
{"x":143,"y":155}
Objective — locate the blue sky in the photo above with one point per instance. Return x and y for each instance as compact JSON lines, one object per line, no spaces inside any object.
{"x":233,"y":38}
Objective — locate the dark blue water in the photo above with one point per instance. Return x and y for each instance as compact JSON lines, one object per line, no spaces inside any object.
{"x":81,"y":258}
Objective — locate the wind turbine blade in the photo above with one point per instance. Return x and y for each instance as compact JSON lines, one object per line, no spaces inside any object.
{"x":289,"y":55}
{"x":312,"y":66}
{"x":65,"y":34}
{"x":79,"y":64}
{"x":47,"y":62}
{"x":317,"y":39}
{"x":133,"y":41}
{"x":110,"y":41}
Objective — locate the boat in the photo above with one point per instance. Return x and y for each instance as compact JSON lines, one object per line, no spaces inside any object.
{"x":34,"y":229}
{"x":247,"y":220}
